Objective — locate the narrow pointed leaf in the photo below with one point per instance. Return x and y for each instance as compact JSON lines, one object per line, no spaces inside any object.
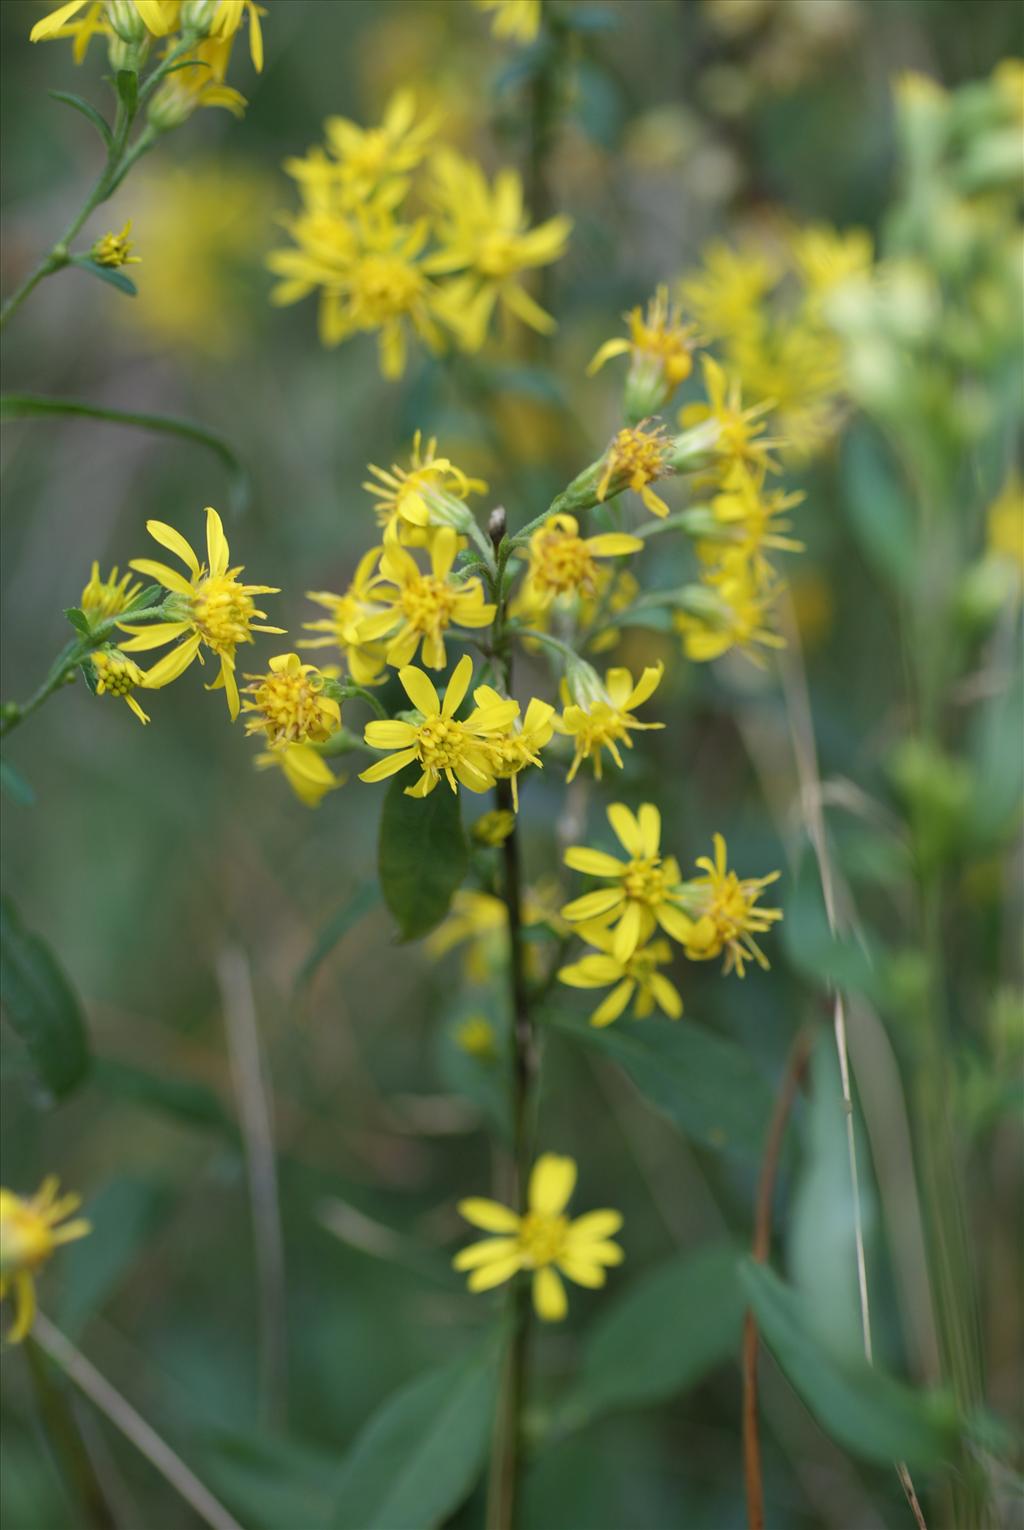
{"x":41,"y":1006}
{"x":87,"y":110}
{"x":422,"y":855}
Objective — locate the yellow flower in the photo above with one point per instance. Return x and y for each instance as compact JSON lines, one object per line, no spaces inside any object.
{"x":368,"y":157}
{"x":1005,"y":524}
{"x":421,"y":607}
{"x":479,"y":921}
{"x":660,"y":348}
{"x":438,"y":742}
{"x":227,"y":16}
{"x":90,"y":22}
{"x":409,"y":500}
{"x":29,"y":1233}
{"x":744,"y":602}
{"x":475,"y":1037}
{"x":520,"y":744}
{"x":128,"y":19}
{"x":289,"y":705}
{"x":365,"y":661}
{"x":118,"y":676}
{"x":601,"y":716}
{"x":115,"y":249}
{"x":636,"y":458}
{"x":826,"y":257}
{"x":201,"y":83}
{"x":103,"y":598}
{"x":562,"y":562}
{"x":517,"y":20}
{"x":306,"y":771}
{"x":725,"y":916}
{"x":738,"y":437}
{"x":725,"y":297}
{"x":211,"y":607}
{"x":638,"y":975}
{"x":750,"y":519}
{"x":484,"y":233}
{"x":542,"y":1240}
{"x":645,"y":889}
{"x":494,"y":828}
{"x":797,"y":365}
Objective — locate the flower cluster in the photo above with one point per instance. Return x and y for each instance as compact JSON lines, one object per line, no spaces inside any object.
{"x":383,"y":266}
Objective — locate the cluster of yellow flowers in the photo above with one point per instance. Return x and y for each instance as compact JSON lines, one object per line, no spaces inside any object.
{"x":399,"y":234}
{"x":201,"y":33}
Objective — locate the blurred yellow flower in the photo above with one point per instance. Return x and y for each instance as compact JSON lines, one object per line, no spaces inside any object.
{"x":211,"y":607}
{"x":637,"y":976}
{"x":516,"y":20}
{"x":660,"y":347}
{"x":30,"y":1231}
{"x":420,"y":608}
{"x":543,"y":1240}
{"x":366,"y":158}
{"x":726,"y":295}
{"x":826,"y":257}
{"x":744,"y":602}
{"x":475,"y":1036}
{"x":478,"y":920}
{"x":342,"y":627}
{"x":725,"y":915}
{"x":600,"y":716}
{"x":520,"y":744}
{"x":740,"y":432}
{"x":103,"y":598}
{"x":288,"y":703}
{"x":199,"y":81}
{"x":645,"y":890}
{"x":562,"y":562}
{"x":1005,"y":524}
{"x":306,"y":771}
{"x":410,"y":500}
{"x":115,"y":249}
{"x":494,"y":828}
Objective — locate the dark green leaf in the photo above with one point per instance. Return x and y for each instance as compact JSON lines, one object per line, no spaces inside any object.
{"x":661,"y":1336}
{"x":337,"y":927}
{"x":128,"y":90}
{"x":78,"y":620}
{"x":868,"y":1412}
{"x":422,"y":855}
{"x":124,"y":1215}
{"x":270,"y":1483}
{"x":705,"y":1084}
{"x":998,"y":758}
{"x":108,"y":274}
{"x":15,"y":785}
{"x":421,"y":1452}
{"x":853,"y":964}
{"x":179,"y":1097}
{"x":87,"y":110}
{"x":41,"y":1006}
{"x":880,"y":509}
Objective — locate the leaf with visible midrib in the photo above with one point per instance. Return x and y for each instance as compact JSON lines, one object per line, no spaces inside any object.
{"x":422,"y":855}
{"x":421,"y":1452}
{"x":41,"y":1005}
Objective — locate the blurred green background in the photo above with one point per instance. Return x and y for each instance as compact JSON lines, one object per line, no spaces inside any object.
{"x":149,"y":853}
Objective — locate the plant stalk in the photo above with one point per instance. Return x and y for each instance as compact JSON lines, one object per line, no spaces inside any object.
{"x":66,"y":1441}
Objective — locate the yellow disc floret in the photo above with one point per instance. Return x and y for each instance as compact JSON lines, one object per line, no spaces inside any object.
{"x":288,"y":705}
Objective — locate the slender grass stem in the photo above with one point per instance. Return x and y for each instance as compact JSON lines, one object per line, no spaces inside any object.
{"x":68,"y":1446}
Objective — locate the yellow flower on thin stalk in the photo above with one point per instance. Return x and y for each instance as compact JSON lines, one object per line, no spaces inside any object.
{"x":725,"y":913}
{"x":520,"y":745}
{"x":493,"y":828}
{"x":515,"y":20}
{"x":341,"y":627}
{"x":744,"y":602}
{"x":199,"y":81}
{"x":419,"y":608}
{"x":601,"y":715}
{"x":104,"y":598}
{"x":484,"y":234}
{"x":288,"y":704}
{"x":475,"y":1036}
{"x":636,"y":458}
{"x":543,"y":1241}
{"x":660,"y":347}
{"x":439,"y":743}
{"x":751,"y":520}
{"x":306,"y":771}
{"x":739,"y":436}
{"x":117,"y":675}
{"x":30,"y":1230}
{"x":115,"y":249}
{"x":479,"y":921}
{"x":409,"y":501}
{"x":131,"y":20}
{"x":645,"y":889}
{"x":727,"y":294}
{"x":210,"y":609}
{"x":366,"y":158}
{"x":562,"y":563}
{"x":637,"y":978}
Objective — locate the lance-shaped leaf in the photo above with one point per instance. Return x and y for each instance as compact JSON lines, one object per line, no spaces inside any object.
{"x":422,"y":856}
{"x":41,"y":1006}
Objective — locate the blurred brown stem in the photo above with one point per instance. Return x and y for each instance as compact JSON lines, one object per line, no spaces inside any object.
{"x":796,"y":1065}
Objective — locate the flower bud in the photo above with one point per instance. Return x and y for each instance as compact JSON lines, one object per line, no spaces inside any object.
{"x":125,"y":21}
{"x":197,"y":16}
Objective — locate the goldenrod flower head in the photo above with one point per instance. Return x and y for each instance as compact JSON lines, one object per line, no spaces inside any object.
{"x":1005,"y":524}
{"x":383,"y":287}
{"x":437,"y":741}
{"x":521,"y":742}
{"x":826,"y":257}
{"x":30,"y":1231}
{"x":430,"y":492}
{"x":307,"y":772}
{"x":368,"y":157}
{"x":484,"y":232}
{"x":288,"y":704}
{"x":130,"y":20}
{"x":562,"y":562}
{"x":636,"y":458}
{"x":516,"y":20}
{"x":645,"y":889}
{"x":660,"y":347}
{"x":796,"y":364}
{"x":725,"y":913}
{"x":494,"y":828}
{"x":341,"y":627}
{"x":117,"y":675}
{"x":637,"y":976}
{"x":600,"y":715}
{"x":725,"y":297}
{"x":543,"y":1240}
{"x":738,"y":433}
{"x":475,"y":1036}
{"x":478,"y":920}
{"x":115,"y":249}
{"x":200,"y":83}
{"x":419,"y":607}
{"x":80,"y":20}
{"x":221,"y":19}
{"x":740,"y":621}
{"x":750,"y":520}
{"x":211,"y":608}
{"x":103,"y":598}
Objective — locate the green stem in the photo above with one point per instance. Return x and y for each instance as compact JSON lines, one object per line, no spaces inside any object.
{"x":67,"y":1443}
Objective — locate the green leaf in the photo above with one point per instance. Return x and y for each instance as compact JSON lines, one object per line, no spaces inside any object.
{"x":483,"y":1080}
{"x":180,"y":1097}
{"x":125,"y":1214}
{"x":87,"y":110}
{"x":15,"y":785}
{"x":41,"y":1006}
{"x":661,"y":1336}
{"x":871,"y":1414}
{"x":108,"y":274}
{"x":362,"y":901}
{"x":880,"y":510}
{"x":78,"y":620}
{"x":128,"y":90}
{"x":422,"y":856}
{"x":707,"y":1086}
{"x":27,"y":406}
{"x":269,"y":1482}
{"x":421,"y":1452}
{"x":998,"y":760}
{"x":854,"y":965}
